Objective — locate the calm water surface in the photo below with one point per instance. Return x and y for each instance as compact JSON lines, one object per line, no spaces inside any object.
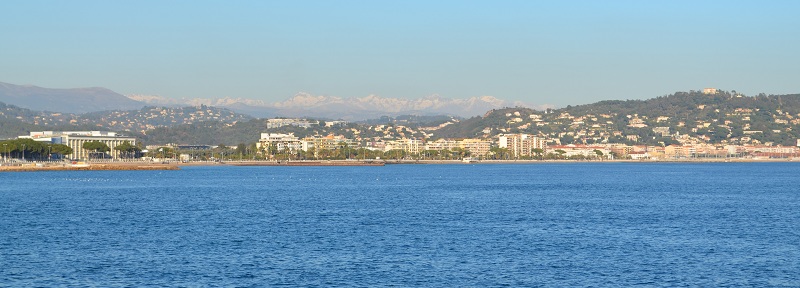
{"x":405,"y":225}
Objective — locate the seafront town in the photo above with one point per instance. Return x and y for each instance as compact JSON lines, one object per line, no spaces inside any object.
{"x":707,"y":125}
{"x":514,"y":147}
{"x":80,"y":149}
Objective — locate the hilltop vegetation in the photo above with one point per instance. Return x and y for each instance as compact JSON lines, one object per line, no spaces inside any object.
{"x":215,"y":132}
{"x":16,"y":121}
{"x":153,"y":117}
{"x":206,"y":132}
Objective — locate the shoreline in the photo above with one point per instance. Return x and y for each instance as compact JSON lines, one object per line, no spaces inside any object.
{"x":308,"y":163}
{"x":145,"y":166}
{"x":124,"y":166}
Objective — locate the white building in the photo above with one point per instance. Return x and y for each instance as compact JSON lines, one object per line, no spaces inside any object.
{"x":330,"y":142}
{"x":476,"y":147}
{"x":282,"y":142}
{"x":521,"y":144}
{"x":76,"y":139}
{"x":413,"y":146}
{"x":441,"y":144}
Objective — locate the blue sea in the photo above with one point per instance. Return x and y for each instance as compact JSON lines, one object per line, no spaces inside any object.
{"x":485,"y":225}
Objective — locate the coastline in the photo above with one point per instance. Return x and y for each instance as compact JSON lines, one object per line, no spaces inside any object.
{"x":143,"y":166}
{"x":308,"y":163}
{"x":122,"y":166}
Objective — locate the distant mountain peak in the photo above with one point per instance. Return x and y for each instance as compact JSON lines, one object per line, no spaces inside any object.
{"x":72,"y":100}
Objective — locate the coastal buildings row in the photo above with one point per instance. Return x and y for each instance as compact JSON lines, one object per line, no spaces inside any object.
{"x":288,"y":142}
{"x":511,"y":146}
{"x":516,"y":146}
{"x":283,"y":142}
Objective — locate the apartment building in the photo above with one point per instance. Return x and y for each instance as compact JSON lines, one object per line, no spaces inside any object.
{"x":413,"y":146}
{"x":520,"y":145}
{"x":442,"y":144}
{"x":330,"y":142}
{"x":476,"y":147}
{"x":281,"y":142}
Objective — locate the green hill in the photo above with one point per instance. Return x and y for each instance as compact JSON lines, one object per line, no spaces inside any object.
{"x":725,"y":117}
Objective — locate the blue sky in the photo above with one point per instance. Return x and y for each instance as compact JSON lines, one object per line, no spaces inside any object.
{"x":537,"y":52}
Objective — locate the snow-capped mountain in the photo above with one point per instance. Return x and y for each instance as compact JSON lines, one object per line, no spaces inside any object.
{"x":353,"y":108}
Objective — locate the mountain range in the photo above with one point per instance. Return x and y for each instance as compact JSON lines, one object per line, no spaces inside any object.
{"x":351,"y":109}
{"x":75,"y":100}
{"x":94,"y":99}
{"x":718,"y":117}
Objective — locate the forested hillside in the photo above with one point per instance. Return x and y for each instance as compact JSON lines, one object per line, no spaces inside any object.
{"x":18,"y":121}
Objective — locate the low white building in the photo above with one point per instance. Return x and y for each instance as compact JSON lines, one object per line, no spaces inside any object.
{"x":76,"y":139}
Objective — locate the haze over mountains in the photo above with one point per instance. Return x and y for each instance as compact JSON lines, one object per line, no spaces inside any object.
{"x":75,"y":100}
{"x":84,"y":100}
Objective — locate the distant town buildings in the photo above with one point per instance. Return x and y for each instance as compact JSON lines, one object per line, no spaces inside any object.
{"x":279,"y":142}
{"x":302,"y":123}
{"x":280,"y":122}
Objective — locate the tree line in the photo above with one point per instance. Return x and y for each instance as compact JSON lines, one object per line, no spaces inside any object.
{"x":33,"y":150}
{"x":29,"y":149}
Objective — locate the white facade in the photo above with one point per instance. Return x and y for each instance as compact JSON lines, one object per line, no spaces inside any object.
{"x":76,"y":139}
{"x":282,"y":142}
{"x":521,"y":144}
{"x":413,"y":146}
{"x":441,"y":144}
{"x":476,"y":147}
